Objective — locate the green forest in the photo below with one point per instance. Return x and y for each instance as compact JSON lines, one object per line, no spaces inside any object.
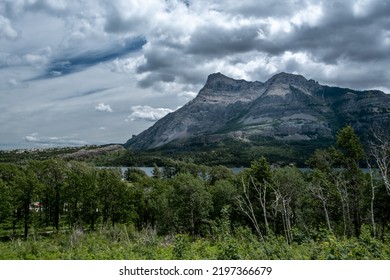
{"x":66,"y":209}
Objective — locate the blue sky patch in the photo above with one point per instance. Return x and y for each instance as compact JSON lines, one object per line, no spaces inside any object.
{"x":73,"y":63}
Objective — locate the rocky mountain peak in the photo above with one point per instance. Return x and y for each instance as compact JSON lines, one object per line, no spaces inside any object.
{"x":286,"y":78}
{"x":218,"y":82}
{"x":287,"y":107}
{"x":216,"y":77}
{"x":281,"y":84}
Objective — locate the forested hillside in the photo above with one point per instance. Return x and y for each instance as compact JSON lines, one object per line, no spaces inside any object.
{"x":64,"y":209}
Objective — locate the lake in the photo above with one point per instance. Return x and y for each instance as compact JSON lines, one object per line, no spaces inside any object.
{"x":149,"y":170}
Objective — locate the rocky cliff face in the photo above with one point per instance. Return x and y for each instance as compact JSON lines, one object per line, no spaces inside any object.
{"x":287,"y":107}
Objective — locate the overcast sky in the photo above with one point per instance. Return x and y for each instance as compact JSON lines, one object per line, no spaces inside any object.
{"x":95,"y":72}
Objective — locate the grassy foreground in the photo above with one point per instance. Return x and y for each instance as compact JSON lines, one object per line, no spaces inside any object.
{"x":126,"y":243}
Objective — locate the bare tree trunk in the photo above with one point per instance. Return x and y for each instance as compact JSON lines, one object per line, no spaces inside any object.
{"x":380,"y":150}
{"x":345,"y":208}
{"x":372,"y":199}
{"x":284,"y":210}
{"x":262,"y":197}
{"x":246,"y":206}
{"x":275,"y":211}
{"x":344,"y":198}
{"x":372,"y":210}
{"x":318,"y":192}
{"x":284,"y":224}
{"x":263,"y":205}
{"x":285,"y":204}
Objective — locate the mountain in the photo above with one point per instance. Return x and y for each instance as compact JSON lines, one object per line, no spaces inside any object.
{"x":286,"y":110}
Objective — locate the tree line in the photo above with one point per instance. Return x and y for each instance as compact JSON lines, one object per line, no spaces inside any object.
{"x":335,"y":196}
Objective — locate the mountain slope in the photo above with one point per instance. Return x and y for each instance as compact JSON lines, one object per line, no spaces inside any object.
{"x":218,"y":102}
{"x":287,"y":108}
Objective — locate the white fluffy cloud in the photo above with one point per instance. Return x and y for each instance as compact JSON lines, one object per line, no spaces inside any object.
{"x":6,"y":29}
{"x":103,"y":108}
{"x":148,"y":113}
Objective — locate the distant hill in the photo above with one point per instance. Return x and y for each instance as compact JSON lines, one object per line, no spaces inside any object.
{"x":287,"y":117}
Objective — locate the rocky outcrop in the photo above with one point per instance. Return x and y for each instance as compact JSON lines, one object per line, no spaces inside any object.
{"x":88,"y":153}
{"x":287,"y":107}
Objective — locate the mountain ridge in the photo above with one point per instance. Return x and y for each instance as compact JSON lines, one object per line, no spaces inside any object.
{"x":287,"y":107}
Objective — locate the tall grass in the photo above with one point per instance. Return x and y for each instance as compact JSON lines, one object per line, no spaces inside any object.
{"x":124,"y":242}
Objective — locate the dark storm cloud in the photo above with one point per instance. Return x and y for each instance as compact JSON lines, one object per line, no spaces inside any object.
{"x":159,"y":59}
{"x":343,"y":35}
{"x":152,"y":78}
{"x":263,"y":9}
{"x":220,"y":41}
{"x":329,"y":33}
{"x":339,"y":34}
{"x":356,"y":44}
{"x":164,"y":64}
{"x":171,"y":65}
{"x":116,"y":23}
